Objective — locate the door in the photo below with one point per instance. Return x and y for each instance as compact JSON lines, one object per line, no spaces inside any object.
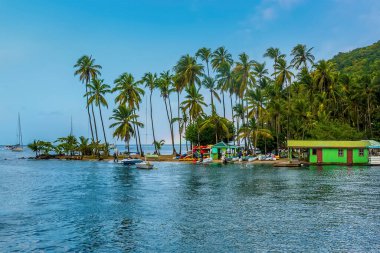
{"x":349,"y":156}
{"x":319,"y":155}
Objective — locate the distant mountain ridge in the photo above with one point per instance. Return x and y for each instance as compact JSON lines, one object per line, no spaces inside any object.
{"x":360,"y":61}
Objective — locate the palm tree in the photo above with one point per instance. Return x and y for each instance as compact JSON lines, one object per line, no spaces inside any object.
{"x":225,"y":80}
{"x":35,"y":146}
{"x":188,"y":71}
{"x":301,"y":56}
{"x":158,"y":145}
{"x":150,"y":81}
{"x":125,"y":119}
{"x":193,"y":102}
{"x":221,"y":59}
{"x":284,"y":77}
{"x":244,"y":74}
{"x":205,"y":55}
{"x":129,"y":93}
{"x":218,"y":123}
{"x":87,"y":70}
{"x":209,"y":83}
{"x":220,"y":56}
{"x":165,"y":86}
{"x":274,"y":54}
{"x":83,"y":146}
{"x":97,"y":90}
{"x":239,"y":114}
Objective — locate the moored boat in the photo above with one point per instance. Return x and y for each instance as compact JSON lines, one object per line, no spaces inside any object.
{"x":130,"y":161}
{"x":144,"y":165}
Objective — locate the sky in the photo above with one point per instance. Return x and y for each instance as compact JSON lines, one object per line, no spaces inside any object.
{"x":41,"y":40}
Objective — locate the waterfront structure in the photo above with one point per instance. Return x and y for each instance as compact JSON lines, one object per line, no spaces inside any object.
{"x":335,"y":152}
{"x":221,"y":148}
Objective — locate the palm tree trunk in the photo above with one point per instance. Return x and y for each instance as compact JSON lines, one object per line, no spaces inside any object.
{"x":93,"y":117}
{"x":212,"y":101}
{"x":151,"y":119}
{"x":89,"y":115}
{"x":136,"y":138}
{"x":104,"y":132}
{"x":138,"y":134}
{"x":224,"y":106}
{"x":170,"y":125}
{"x":179,"y":128}
{"x":232,"y":116}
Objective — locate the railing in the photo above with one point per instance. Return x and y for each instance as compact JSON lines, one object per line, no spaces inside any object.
{"x":374,"y":160}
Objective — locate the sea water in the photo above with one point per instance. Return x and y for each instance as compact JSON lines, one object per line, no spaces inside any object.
{"x":79,"y":206}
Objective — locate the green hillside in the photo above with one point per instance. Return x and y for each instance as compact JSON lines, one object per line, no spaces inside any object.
{"x":365,"y":60}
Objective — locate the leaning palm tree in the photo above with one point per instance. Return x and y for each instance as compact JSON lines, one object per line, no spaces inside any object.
{"x":165,"y":86}
{"x":151,"y":83}
{"x":209,"y":83}
{"x":87,"y":70}
{"x":301,"y":56}
{"x":205,"y":55}
{"x":129,"y":93}
{"x":274,"y":54}
{"x":125,"y":119}
{"x":96,"y":93}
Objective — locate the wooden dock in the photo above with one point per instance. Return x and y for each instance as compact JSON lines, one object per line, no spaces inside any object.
{"x":290,"y":164}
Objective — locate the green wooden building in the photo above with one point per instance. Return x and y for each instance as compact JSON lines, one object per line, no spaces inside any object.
{"x":218,"y":149}
{"x":332,"y":152}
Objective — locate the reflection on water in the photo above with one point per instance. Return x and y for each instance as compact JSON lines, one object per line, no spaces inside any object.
{"x":89,"y":206}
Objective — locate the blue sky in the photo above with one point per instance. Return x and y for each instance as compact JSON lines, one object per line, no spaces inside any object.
{"x":41,"y":40}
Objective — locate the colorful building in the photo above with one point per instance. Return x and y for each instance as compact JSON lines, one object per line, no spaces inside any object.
{"x":221,"y":148}
{"x":334,"y":152}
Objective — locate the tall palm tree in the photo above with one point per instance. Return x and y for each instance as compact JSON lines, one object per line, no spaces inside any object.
{"x":274,"y":54}
{"x":301,"y":56}
{"x":151,"y":82}
{"x":129,"y":93}
{"x":188,"y":71}
{"x":87,"y":70}
{"x":284,"y":79}
{"x":244,"y":73}
{"x":97,"y":90}
{"x":221,"y":58}
{"x":165,"y":86}
{"x":205,"y":55}
{"x":209,"y":83}
{"x":194,"y":102}
{"x":125,"y":119}
{"x":226,"y":83}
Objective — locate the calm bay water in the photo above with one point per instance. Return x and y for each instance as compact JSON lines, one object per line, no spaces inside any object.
{"x":90,"y":206}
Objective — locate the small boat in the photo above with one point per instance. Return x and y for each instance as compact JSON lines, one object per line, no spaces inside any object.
{"x":130,"y":161}
{"x":144,"y":165}
{"x":205,"y":161}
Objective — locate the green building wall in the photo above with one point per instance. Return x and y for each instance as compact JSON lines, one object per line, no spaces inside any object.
{"x":312,"y":158}
{"x":359,"y":159}
{"x":330,"y":155}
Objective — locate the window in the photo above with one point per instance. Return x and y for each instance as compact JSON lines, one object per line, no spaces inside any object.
{"x":314,"y":151}
{"x":361,"y":152}
{"x":340,"y":152}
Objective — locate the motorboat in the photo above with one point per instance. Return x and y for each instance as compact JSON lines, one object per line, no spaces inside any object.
{"x":144,"y":165}
{"x":130,"y":161}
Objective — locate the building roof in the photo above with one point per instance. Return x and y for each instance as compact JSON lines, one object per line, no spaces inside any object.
{"x":220,"y":145}
{"x":373,"y":144}
{"x":327,"y":144}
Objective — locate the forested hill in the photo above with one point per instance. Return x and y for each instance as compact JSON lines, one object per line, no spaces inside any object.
{"x":360,"y":61}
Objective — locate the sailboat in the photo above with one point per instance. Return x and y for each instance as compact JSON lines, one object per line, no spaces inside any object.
{"x":18,"y":147}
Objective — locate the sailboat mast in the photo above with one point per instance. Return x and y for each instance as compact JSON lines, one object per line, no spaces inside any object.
{"x":19,"y":131}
